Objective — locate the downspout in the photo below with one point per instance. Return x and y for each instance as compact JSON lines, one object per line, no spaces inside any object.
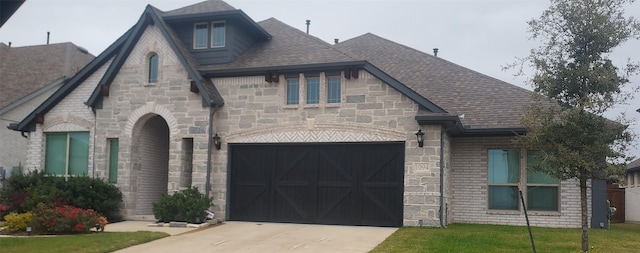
{"x":207,"y":184}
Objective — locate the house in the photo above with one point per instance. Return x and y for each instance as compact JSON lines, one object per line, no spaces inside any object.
{"x":632,"y":193}
{"x":28,"y":76}
{"x":280,"y":126}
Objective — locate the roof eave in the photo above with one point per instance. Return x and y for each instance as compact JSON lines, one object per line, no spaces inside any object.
{"x":281,"y":69}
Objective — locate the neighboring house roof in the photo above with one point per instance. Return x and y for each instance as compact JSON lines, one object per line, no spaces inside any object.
{"x":52,"y":85}
{"x":7,"y":8}
{"x":203,"y":7}
{"x":634,"y":166}
{"x":24,"y":70}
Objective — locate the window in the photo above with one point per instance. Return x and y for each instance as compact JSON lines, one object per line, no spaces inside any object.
{"x":218,"y":34}
{"x":631,"y":177}
{"x":67,"y":153}
{"x":542,"y":189}
{"x":504,"y":174}
{"x":153,"y":68}
{"x":200,"y":34}
{"x":112,"y":149}
{"x":293,"y":87}
{"x":334,"y":84}
{"x":313,"y":90}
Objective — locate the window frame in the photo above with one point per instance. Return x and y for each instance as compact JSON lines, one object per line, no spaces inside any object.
{"x":68,"y":156}
{"x":289,"y":96}
{"x":151,"y":69}
{"x":213,"y":34}
{"x":112,"y":172}
{"x":316,"y":89}
{"x":195,"y":35}
{"x":331,"y":100}
{"x":524,"y":174}
{"x":496,"y":185}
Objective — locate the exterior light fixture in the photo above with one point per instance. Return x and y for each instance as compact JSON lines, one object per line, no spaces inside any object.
{"x":420,"y":137}
{"x":216,"y":141}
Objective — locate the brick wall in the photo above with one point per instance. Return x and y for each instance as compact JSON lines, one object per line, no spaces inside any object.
{"x":469,"y":186}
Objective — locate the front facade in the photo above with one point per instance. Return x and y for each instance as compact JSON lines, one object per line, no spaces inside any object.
{"x":328,"y":137}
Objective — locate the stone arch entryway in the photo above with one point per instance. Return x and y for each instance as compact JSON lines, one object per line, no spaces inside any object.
{"x":150,"y":158}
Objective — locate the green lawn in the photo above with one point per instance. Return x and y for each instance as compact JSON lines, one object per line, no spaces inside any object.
{"x":491,"y":238}
{"x":94,"y":242}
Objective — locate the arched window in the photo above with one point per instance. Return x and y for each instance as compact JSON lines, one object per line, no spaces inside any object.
{"x":153,"y":68}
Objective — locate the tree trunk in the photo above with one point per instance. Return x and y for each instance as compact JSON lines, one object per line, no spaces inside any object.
{"x":585,"y":219}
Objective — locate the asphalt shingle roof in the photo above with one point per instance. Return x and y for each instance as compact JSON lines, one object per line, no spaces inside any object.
{"x":633,"y":166}
{"x":486,"y":102}
{"x":288,"y":46}
{"x":24,"y":70}
{"x":203,"y":7}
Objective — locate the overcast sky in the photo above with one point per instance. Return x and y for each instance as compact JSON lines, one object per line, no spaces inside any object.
{"x":482,"y":35}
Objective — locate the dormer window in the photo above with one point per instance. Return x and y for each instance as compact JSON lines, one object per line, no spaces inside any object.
{"x":218,"y":34}
{"x":200,"y":35}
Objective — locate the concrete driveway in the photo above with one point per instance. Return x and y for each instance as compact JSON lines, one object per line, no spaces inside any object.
{"x":270,"y":237}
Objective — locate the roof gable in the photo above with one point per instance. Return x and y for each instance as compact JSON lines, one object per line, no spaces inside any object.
{"x":210,"y":95}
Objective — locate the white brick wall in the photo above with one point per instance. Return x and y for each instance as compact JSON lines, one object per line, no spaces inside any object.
{"x":469,"y":183}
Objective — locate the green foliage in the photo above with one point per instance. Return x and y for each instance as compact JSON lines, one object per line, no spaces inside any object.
{"x":86,"y":243}
{"x":25,"y":191}
{"x":91,"y":193}
{"x":576,"y":84}
{"x":63,"y":219}
{"x":187,"y":205}
{"x":470,"y":238}
{"x":17,"y":222}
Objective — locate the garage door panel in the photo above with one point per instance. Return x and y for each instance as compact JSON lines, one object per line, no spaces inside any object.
{"x":336,"y":205}
{"x":345,"y":183}
{"x":377,"y":206}
{"x":293,"y":204}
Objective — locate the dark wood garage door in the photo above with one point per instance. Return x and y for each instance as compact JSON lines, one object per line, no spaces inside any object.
{"x":347,"y":184}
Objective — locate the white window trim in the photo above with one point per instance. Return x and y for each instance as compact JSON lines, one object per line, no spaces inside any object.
{"x":195,"y":32}
{"x":213,"y":34}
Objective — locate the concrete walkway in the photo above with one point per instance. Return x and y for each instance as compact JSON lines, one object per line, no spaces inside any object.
{"x":265,"y":237}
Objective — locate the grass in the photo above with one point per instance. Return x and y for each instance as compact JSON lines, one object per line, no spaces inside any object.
{"x":493,"y":238}
{"x":94,"y":242}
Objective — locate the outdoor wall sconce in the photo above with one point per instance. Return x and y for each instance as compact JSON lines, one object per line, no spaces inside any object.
{"x":216,"y":141}
{"x":420,"y":137}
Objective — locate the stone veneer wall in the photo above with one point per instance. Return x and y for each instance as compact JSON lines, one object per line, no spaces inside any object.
{"x":469,"y":183}
{"x":133,"y":100}
{"x":370,"y":111}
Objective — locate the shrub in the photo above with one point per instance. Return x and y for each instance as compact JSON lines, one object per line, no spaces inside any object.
{"x":91,"y":193}
{"x":25,"y":191}
{"x":17,"y":222}
{"x":166,"y":209}
{"x":63,"y":219}
{"x":187,"y":205}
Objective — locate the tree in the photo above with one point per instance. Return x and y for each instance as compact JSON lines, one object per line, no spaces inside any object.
{"x":575,"y":84}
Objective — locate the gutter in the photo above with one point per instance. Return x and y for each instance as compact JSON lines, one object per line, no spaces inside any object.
{"x":207,"y":183}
